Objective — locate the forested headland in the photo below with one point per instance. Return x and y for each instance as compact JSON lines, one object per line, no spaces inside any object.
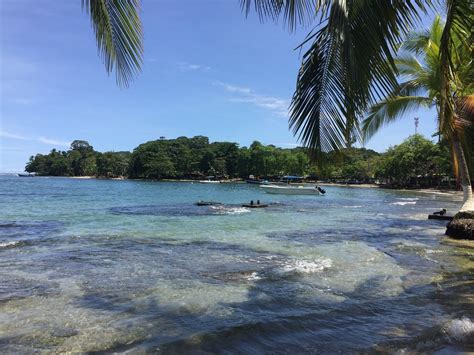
{"x":415,"y":161}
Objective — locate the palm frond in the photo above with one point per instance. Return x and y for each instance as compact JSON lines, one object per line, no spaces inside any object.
{"x":408,"y":65}
{"x":458,"y":28}
{"x":390,"y":110}
{"x":464,"y":113}
{"x":293,"y":12}
{"x":349,"y":66}
{"x":119,"y":36}
{"x":410,"y":88}
{"x":421,"y":42}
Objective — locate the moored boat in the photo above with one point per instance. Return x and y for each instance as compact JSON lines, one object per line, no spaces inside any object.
{"x":257,"y":182}
{"x":209,"y":181}
{"x":292,"y":190}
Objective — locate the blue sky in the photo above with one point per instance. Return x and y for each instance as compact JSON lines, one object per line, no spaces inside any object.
{"x":208,"y":70}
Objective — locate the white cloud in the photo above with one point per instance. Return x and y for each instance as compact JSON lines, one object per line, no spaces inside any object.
{"x":11,"y":135}
{"x":53,"y":142}
{"x":233,"y":88}
{"x":41,"y":139}
{"x":276,"y":105}
{"x":184,"y":66}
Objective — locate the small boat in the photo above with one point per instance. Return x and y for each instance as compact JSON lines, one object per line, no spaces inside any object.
{"x":26,"y":175}
{"x":250,"y":205}
{"x":258,"y":182}
{"x":292,"y":190}
{"x":209,"y":181}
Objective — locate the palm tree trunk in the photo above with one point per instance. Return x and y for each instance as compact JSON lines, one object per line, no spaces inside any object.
{"x":468,"y":201}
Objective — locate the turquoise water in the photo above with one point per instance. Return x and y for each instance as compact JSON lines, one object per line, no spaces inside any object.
{"x":100,"y":265}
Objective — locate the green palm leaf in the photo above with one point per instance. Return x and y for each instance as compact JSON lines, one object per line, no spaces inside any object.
{"x":390,"y":110}
{"x":349,"y":64}
{"x":456,"y":36}
{"x":294,"y":12}
{"x":119,"y":36}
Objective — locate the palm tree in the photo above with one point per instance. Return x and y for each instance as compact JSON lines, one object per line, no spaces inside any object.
{"x":348,"y":67}
{"x":420,"y":70}
{"x":350,"y":63}
{"x":119,"y":36}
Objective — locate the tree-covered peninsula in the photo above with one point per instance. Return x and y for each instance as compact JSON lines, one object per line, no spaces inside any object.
{"x":416,"y":161}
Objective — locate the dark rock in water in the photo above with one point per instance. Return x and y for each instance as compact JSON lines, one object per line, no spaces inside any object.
{"x":462,"y":226}
{"x":440,"y":217}
{"x":208,"y":203}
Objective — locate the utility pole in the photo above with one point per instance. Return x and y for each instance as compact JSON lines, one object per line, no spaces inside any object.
{"x":416,"y":125}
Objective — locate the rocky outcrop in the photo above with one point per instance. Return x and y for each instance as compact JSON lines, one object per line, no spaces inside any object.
{"x":462,"y":226}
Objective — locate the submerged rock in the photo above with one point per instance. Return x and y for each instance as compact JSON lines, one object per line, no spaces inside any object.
{"x":462,"y":226}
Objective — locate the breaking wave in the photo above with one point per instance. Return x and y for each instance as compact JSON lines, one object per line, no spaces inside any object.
{"x":5,"y":245}
{"x":230,"y":210}
{"x":403,"y":203}
{"x":305,"y":266}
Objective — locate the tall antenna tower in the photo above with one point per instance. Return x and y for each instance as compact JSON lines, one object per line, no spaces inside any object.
{"x":417,"y":120}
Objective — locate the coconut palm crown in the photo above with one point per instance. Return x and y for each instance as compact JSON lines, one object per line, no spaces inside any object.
{"x":350,"y":65}
{"x":421,"y":85}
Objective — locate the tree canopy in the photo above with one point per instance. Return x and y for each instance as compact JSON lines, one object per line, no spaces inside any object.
{"x":196,"y":157}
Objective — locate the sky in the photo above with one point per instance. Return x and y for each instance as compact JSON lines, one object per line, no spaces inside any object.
{"x":208,"y":70}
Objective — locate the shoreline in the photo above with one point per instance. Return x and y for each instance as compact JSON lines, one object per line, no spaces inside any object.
{"x":242,"y":181}
{"x":428,"y":190}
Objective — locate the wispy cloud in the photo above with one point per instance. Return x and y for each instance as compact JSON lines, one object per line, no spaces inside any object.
{"x":53,"y":142}
{"x":233,"y":88}
{"x":184,"y":66}
{"x":4,"y":134}
{"x":41,"y":139}
{"x":276,"y":105}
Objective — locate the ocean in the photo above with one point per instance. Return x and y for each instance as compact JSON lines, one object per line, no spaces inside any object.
{"x":135,"y":266}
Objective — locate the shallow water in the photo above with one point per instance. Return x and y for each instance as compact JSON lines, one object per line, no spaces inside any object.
{"x":98,"y":265}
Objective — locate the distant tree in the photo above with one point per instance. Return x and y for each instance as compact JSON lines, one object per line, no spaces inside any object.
{"x":415,"y":157}
{"x":112,"y":164}
{"x":158,"y":166}
{"x":81,"y":146}
{"x":206,"y":162}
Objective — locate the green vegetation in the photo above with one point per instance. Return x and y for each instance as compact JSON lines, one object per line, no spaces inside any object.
{"x":419,"y":65}
{"x":80,"y":160}
{"x":417,"y":161}
{"x":350,"y":66}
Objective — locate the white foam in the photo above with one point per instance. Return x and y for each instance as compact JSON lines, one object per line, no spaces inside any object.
{"x":253,"y":276}
{"x":459,"y":329}
{"x":400,"y":203}
{"x":306,"y":266}
{"x":8,"y":244}
{"x":409,"y":198}
{"x":230,"y":210}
